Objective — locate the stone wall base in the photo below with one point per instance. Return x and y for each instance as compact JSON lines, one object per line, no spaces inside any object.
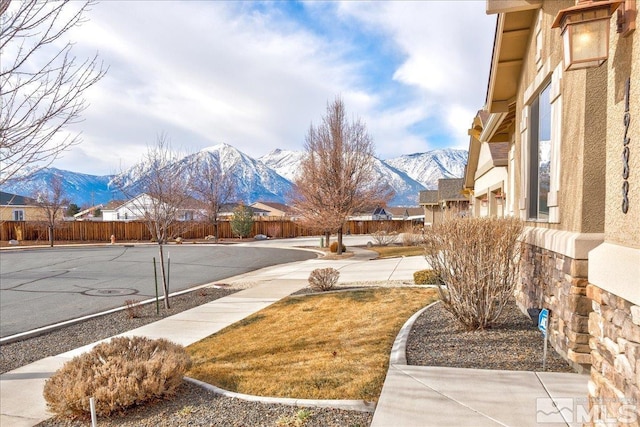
{"x":558,"y":283}
{"x":614,"y":387}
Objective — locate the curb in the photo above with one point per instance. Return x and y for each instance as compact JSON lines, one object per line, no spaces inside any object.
{"x":350,"y":405}
{"x":43,"y":330}
{"x":399,"y":349}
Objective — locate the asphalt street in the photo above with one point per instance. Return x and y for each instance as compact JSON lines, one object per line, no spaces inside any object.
{"x":44,"y":286}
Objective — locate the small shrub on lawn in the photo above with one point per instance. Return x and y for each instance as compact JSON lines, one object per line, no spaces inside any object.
{"x":425,"y":277}
{"x":334,"y":247}
{"x":412,"y":236}
{"x":123,"y":372}
{"x":384,"y":235}
{"x":323,"y":279}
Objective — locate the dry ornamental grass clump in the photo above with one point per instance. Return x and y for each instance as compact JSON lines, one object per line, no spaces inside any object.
{"x":121,"y":373}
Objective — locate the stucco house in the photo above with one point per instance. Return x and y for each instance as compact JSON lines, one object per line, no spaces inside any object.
{"x":138,"y":207}
{"x":570,"y":119}
{"x":14,"y":207}
{"x":446,"y":202}
{"x":272,"y":209}
{"x":486,"y":174}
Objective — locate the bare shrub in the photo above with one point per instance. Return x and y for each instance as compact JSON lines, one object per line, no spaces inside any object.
{"x":323,"y":279}
{"x":124,"y":372}
{"x":413,"y":235}
{"x":274,"y":230}
{"x":384,"y":235}
{"x":477,"y":261}
{"x":133,"y":308}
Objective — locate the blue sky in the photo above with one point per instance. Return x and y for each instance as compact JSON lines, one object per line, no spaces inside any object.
{"x":256,"y":74}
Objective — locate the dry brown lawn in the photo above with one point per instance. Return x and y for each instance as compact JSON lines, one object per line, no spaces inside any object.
{"x":328,"y":346}
{"x":398,"y":251}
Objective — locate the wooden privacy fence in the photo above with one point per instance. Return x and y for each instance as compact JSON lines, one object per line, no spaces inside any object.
{"x":137,"y":230}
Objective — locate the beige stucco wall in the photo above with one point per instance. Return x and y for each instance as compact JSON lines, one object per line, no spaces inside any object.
{"x":31,"y":213}
{"x":582,"y":187}
{"x":615,"y":265}
{"x":624,"y":62}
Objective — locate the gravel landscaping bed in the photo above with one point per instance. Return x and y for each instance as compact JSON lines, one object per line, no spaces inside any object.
{"x":23,"y":352}
{"x":435,"y":340}
{"x":514,"y":344}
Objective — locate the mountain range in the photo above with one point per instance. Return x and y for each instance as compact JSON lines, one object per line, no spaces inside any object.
{"x":268,"y":178}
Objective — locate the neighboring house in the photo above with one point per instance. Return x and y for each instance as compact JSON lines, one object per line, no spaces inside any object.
{"x":486,"y":173}
{"x":380,"y":214}
{"x":273,"y":208}
{"x":14,"y":207}
{"x":406,"y":213}
{"x":447,"y":201}
{"x":88,"y":214}
{"x":137,"y":208}
{"x":573,"y":176}
{"x":429,"y":202}
{"x":227,"y":209}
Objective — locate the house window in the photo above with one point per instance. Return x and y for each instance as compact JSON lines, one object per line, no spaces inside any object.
{"x":18,"y":215}
{"x":540,"y":156}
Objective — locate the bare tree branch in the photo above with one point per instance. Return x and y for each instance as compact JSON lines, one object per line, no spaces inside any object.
{"x":213,"y":188}
{"x":160,"y":195}
{"x":336,"y":178}
{"x":42,"y":85}
{"x":52,"y":202}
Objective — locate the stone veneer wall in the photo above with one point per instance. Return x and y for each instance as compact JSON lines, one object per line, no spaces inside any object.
{"x":614,"y":386}
{"x":557,"y":282}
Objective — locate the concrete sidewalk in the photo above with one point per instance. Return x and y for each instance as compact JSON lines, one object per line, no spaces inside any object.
{"x":411,"y":396}
{"x":21,"y":400}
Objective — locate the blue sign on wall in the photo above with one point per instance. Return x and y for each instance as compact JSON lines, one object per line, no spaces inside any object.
{"x":543,"y":319}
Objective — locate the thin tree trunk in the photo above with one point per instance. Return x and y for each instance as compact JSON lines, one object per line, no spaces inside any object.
{"x":339,"y":251}
{"x":165,"y":288}
{"x":50,"y":228}
{"x":327,"y":237}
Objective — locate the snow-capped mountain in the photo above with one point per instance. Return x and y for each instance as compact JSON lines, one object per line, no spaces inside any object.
{"x":285,"y":162}
{"x":406,"y":189}
{"x":254,"y":180}
{"x":268,"y":178}
{"x":79,"y":188}
{"x":427,"y":168}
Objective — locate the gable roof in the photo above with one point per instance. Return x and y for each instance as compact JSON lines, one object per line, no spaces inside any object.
{"x":450,"y":189}
{"x":429,"y":197}
{"x":275,"y":205}
{"x":9,"y":199}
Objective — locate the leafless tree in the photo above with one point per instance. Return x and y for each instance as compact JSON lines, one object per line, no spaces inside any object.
{"x":42,"y":85}
{"x":336,"y":176}
{"x":159,"y":196}
{"x":52,"y":202}
{"x":213,"y":188}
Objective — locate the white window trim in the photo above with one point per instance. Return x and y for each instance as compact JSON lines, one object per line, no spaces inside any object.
{"x":15,"y":211}
{"x":555,"y":99}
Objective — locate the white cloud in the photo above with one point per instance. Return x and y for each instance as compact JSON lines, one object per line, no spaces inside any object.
{"x":256,"y":77}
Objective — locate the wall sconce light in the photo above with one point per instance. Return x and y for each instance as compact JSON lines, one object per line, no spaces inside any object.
{"x":585,"y":30}
{"x":484,"y":202}
{"x":499,"y":199}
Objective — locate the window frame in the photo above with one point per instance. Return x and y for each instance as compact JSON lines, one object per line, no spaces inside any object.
{"x":15,"y":214}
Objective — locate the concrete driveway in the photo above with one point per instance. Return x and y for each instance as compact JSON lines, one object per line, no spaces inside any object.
{"x":40,"y":287}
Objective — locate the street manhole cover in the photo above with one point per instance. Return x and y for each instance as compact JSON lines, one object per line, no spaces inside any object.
{"x":113,"y":292}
